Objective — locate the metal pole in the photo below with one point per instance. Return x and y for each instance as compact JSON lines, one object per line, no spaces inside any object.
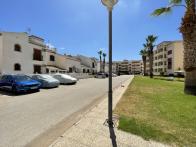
{"x":110,"y":121}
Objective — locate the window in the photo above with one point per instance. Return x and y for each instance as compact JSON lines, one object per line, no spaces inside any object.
{"x":37,"y":55}
{"x":17,"y":47}
{"x":17,"y":67}
{"x":170,"y":52}
{"x":170,"y":63}
{"x":52,"y":58}
{"x":37,"y":69}
{"x":93,"y":65}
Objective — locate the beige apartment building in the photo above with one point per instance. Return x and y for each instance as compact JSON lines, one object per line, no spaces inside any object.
{"x":123,"y":67}
{"x":128,"y":67}
{"x":168,"y":58}
{"x":136,"y":67}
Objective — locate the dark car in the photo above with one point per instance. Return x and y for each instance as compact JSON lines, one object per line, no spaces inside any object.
{"x":18,"y":83}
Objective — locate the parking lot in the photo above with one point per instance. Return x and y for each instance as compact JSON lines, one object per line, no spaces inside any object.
{"x":24,"y":117}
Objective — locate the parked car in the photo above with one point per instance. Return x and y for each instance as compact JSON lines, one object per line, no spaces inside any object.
{"x":114,"y":75}
{"x":100,"y":75}
{"x":46,"y":81}
{"x":65,"y":79}
{"x":18,"y":83}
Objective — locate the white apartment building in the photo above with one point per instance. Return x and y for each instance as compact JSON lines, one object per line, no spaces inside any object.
{"x":88,"y":65}
{"x":17,"y":52}
{"x":24,"y":54}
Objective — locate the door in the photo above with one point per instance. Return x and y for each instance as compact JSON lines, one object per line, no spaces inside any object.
{"x":37,"y":69}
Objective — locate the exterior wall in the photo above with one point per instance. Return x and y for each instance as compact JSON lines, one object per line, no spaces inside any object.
{"x":176,"y":56}
{"x":10,"y":57}
{"x":73,"y":63}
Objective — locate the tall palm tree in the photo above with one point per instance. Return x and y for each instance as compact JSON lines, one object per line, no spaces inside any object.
{"x":149,"y":46}
{"x":188,"y":30}
{"x":104,"y":56}
{"x":100,"y":57}
{"x":144,"y":54}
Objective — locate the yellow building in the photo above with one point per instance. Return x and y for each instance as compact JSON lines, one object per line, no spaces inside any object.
{"x":167,"y":58}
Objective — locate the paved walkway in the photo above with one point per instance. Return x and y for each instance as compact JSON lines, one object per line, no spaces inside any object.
{"x":91,"y":131}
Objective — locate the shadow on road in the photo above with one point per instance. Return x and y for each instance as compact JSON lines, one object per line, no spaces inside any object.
{"x":10,"y":93}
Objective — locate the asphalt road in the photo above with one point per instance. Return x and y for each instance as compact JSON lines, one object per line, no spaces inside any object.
{"x":25,"y":117}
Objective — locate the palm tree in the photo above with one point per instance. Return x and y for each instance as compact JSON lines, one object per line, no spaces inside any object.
{"x":149,"y":46}
{"x":100,"y":57}
{"x":104,"y":55}
{"x":188,"y":30}
{"x":144,"y":54}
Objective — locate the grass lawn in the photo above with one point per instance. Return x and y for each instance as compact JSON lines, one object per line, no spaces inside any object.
{"x":158,"y":110}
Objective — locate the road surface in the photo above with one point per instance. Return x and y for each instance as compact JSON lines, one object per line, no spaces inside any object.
{"x":23,"y":118}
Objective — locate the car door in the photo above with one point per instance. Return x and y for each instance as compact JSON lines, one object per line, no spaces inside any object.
{"x":9,"y":82}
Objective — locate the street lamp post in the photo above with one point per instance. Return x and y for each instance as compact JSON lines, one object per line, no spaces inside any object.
{"x":110,"y":4}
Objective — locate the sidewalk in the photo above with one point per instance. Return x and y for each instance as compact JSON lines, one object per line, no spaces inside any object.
{"x":91,"y":131}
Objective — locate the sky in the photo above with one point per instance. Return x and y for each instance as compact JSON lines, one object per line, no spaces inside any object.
{"x":81,"y":26}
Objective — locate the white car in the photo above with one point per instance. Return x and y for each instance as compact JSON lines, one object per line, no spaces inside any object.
{"x":46,"y":81}
{"x":65,"y":79}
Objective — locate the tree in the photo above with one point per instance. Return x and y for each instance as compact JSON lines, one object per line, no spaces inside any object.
{"x":188,"y":30}
{"x":144,"y":54}
{"x":149,"y":46}
{"x":100,"y":57}
{"x":104,"y":56}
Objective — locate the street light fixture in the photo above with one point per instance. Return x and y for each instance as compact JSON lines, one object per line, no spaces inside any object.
{"x":110,"y":4}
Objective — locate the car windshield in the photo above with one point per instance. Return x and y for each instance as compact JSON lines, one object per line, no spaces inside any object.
{"x":19,"y":78}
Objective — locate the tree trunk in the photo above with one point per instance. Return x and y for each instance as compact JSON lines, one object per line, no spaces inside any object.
{"x":100,"y":64}
{"x":190,"y":82}
{"x":104,"y":65}
{"x":144,"y":62}
{"x":188,"y":30}
{"x":151,"y":64}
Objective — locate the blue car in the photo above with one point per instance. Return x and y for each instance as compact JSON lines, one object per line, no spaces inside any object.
{"x":18,"y":83}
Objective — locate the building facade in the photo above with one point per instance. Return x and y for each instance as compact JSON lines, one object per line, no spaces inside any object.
{"x":167,"y":58}
{"x":21,"y":53}
{"x":136,"y":67}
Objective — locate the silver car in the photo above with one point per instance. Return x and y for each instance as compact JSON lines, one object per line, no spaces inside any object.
{"x":65,"y":79}
{"x":46,"y":81}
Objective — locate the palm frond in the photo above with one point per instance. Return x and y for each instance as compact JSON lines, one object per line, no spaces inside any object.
{"x":161,"y":11}
{"x":175,"y":1}
{"x":104,"y":54}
